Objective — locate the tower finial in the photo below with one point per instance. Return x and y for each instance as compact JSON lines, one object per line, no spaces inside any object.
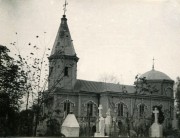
{"x":153,"y":64}
{"x":65,"y":4}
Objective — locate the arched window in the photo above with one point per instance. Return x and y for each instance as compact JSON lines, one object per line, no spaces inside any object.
{"x":66,"y":71}
{"x":67,"y":106}
{"x":120,"y":109}
{"x":168,"y":91}
{"x":141,"y":110}
{"x":90,"y":109}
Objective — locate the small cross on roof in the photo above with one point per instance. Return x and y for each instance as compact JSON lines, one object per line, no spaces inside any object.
{"x":65,"y":4}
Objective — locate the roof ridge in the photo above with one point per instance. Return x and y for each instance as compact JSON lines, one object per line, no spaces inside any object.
{"x":98,"y":87}
{"x":105,"y":82}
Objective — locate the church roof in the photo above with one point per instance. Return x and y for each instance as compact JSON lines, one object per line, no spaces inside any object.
{"x":155,"y":75}
{"x":63,"y":43}
{"x":98,"y":87}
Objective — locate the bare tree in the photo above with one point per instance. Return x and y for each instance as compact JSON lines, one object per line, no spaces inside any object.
{"x":108,"y":78}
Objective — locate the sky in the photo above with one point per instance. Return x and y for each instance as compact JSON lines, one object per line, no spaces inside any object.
{"x":114,"y":37}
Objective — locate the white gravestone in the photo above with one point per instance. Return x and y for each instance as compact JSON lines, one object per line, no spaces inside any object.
{"x":70,"y":126}
{"x":156,"y":128}
{"x":108,"y":122}
{"x":100,"y":132}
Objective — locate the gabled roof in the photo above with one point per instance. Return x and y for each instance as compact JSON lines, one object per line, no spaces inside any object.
{"x":63,"y":43}
{"x":99,"y":87}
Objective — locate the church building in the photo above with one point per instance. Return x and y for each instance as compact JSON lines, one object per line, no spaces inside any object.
{"x":66,"y":93}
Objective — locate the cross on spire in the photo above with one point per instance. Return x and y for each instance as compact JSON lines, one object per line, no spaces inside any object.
{"x":65,"y":4}
{"x":153,"y":64}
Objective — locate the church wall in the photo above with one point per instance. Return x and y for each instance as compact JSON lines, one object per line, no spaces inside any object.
{"x":59,"y":99}
{"x":135,"y":102}
{"x":70,"y":80}
{"x":149,"y":103}
{"x":156,"y":85}
{"x":80,"y":108}
{"x":84,"y":99}
{"x":57,"y":66}
{"x":167,"y":89}
{"x":164,"y":87}
{"x":56,"y":73}
{"x":112,"y":102}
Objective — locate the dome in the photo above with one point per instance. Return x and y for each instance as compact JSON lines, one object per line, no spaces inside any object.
{"x":155,"y":75}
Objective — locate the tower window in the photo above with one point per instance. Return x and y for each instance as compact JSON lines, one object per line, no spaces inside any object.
{"x":66,"y":73}
{"x":120,"y":109}
{"x":90,"y":109}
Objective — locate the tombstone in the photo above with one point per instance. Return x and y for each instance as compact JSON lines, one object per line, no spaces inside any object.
{"x":42,"y":128}
{"x":114,"y":128}
{"x":101,"y":126}
{"x":108,"y":122}
{"x":70,"y":126}
{"x":175,"y":120}
{"x":97,"y":124}
{"x":156,"y":128}
{"x":82,"y":127}
{"x":100,"y":132}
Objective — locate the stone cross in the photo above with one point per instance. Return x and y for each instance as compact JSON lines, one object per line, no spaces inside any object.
{"x":100,"y":110}
{"x":155,"y":115}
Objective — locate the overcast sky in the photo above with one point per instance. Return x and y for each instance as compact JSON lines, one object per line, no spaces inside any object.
{"x":118,"y":37}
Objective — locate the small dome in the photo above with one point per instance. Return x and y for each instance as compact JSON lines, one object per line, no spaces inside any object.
{"x":155,"y":75}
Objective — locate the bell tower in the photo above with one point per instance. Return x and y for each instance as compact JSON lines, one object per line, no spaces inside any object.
{"x":63,"y":59}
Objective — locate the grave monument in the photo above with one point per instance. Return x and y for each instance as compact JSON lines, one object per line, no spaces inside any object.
{"x":156,"y":128}
{"x":70,"y":126}
{"x":100,"y":132}
{"x":108,"y":122}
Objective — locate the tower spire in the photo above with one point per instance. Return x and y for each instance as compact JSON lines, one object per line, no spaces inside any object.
{"x":153,"y":64}
{"x":65,"y":4}
{"x":63,"y":43}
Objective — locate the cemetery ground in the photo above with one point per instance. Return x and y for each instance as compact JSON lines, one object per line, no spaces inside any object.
{"x":108,"y":127}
